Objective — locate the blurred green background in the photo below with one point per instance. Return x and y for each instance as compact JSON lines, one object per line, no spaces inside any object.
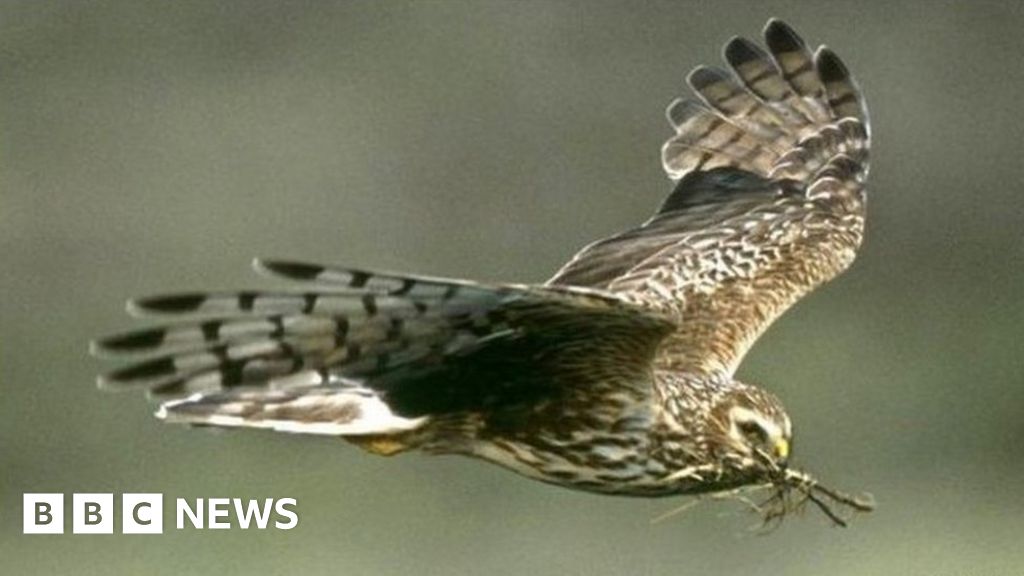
{"x":148,"y":147}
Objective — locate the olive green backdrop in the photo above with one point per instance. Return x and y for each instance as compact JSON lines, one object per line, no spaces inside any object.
{"x":148,"y":147}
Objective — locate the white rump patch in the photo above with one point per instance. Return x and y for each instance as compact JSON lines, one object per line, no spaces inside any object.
{"x":313,"y":410}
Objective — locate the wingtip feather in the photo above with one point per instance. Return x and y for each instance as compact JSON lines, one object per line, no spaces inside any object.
{"x":830,"y":67}
{"x":140,"y":340}
{"x":740,"y":50}
{"x":287,"y":269}
{"x":780,"y":37}
{"x":703,"y":76}
{"x":166,"y":304}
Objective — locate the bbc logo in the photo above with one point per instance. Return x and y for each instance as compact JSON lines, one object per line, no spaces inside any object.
{"x":93,"y":513}
{"x":144,"y":513}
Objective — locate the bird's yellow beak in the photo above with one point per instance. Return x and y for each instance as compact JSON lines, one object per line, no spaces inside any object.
{"x":782,"y":448}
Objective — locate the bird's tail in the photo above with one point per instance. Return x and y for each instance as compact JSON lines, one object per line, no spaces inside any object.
{"x":785,"y":113}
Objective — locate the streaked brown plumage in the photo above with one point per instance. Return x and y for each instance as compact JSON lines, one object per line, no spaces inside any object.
{"x":616,"y":376}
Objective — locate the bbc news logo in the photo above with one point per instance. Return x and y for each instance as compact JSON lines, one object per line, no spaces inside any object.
{"x":144,"y":513}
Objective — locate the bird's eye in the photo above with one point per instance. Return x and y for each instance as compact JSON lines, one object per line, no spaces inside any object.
{"x":752,"y":430}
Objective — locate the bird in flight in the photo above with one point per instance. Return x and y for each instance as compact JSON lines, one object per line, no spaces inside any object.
{"x":616,"y":375}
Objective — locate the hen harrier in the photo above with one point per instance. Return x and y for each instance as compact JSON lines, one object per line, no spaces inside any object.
{"x":616,"y":375}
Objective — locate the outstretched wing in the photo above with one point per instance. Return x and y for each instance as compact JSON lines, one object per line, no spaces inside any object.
{"x":769,"y":203}
{"x":364,"y":353}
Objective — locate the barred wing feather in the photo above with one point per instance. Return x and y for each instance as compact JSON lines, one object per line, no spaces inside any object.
{"x":357,"y":352}
{"x":770,"y":162}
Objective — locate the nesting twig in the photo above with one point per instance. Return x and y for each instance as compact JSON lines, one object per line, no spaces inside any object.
{"x":785,"y":482}
{"x":791,"y":490}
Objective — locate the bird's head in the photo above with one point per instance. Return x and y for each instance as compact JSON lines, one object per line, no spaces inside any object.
{"x":750,"y":430}
{"x":751,"y":437}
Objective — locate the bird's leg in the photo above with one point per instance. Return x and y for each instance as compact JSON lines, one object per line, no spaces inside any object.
{"x":379,"y":444}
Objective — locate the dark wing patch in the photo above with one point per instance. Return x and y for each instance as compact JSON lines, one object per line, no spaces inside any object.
{"x":551,"y":349}
{"x":717,"y":187}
